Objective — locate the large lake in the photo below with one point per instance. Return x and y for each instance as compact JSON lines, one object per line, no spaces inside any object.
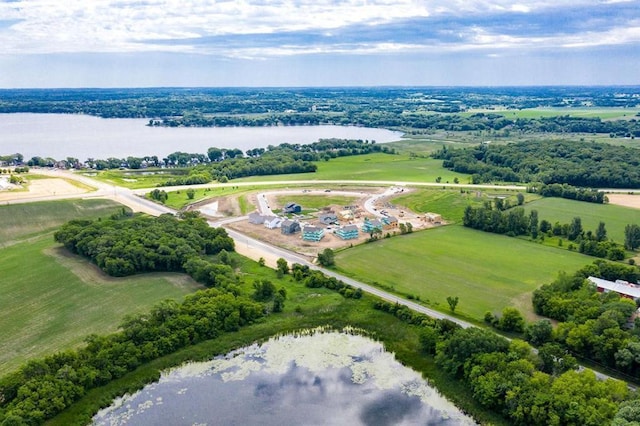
{"x":81,"y":136}
{"x":315,"y":379}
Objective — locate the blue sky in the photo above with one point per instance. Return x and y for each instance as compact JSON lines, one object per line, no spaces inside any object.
{"x":126,"y":43}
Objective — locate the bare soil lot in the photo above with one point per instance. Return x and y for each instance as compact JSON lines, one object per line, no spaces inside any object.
{"x":43,"y":188}
{"x":626,"y":200}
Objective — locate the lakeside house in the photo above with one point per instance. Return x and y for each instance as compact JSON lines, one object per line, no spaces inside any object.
{"x":623,"y":288}
{"x":312,"y":233}
{"x":348,"y":232}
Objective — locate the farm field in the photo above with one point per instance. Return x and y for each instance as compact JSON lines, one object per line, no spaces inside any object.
{"x":563,"y":211}
{"x":51,"y":300}
{"x":374,"y":167}
{"x":487,"y":272}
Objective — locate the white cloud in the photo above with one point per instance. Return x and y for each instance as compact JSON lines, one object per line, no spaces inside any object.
{"x":54,"y":26}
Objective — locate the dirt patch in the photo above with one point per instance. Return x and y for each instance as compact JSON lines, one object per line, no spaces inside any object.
{"x":626,"y":200}
{"x":43,"y":188}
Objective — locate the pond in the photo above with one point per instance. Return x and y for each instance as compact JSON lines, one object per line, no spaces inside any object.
{"x":314,"y":378}
{"x":81,"y":136}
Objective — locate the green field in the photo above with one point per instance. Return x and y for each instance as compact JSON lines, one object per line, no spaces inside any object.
{"x":563,"y":211}
{"x":487,"y":272}
{"x":25,"y":220}
{"x":374,"y":167}
{"x":179,"y":199}
{"x":450,"y":203}
{"x":51,"y":300}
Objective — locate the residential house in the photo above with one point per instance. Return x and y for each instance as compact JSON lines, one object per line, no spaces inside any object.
{"x":289,"y":227}
{"x":346,"y":214}
{"x":371,"y":225}
{"x":328,"y":218}
{"x":348,"y":232}
{"x":390,"y":221}
{"x":256,"y":218}
{"x":312,"y":233}
{"x":623,"y":288}
{"x":292,"y":208}
{"x":272,"y":222}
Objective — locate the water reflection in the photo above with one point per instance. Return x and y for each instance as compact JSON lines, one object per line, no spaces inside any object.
{"x":317,"y":379}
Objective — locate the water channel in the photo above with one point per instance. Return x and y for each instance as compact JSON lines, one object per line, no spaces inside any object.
{"x":315,"y":378}
{"x":81,"y":136}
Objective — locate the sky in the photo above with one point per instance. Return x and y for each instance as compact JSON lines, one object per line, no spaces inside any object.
{"x":149,"y":43}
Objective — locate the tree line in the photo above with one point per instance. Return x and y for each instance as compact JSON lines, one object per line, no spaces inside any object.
{"x":580,"y":164}
{"x":507,"y":377}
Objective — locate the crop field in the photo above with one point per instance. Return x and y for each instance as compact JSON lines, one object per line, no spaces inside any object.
{"x":563,"y":211}
{"x":374,"y":167}
{"x":51,"y":300}
{"x":24,"y":220}
{"x":487,"y":272}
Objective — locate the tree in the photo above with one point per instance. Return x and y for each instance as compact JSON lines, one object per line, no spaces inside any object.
{"x":601,"y":232}
{"x":453,"y":302}
{"x":326,"y":258}
{"x":190,"y":193}
{"x":214,"y":154}
{"x":520,"y":198}
{"x":539,"y":332}
{"x":632,"y":236}
{"x":533,"y":223}
{"x":575,"y":229}
{"x":511,"y":320}
{"x":282,"y":267}
{"x":263,"y":290}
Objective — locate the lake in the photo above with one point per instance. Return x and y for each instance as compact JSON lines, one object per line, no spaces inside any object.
{"x":81,"y":136}
{"x":317,"y":378}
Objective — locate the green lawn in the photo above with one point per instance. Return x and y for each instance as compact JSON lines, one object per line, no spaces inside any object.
{"x":563,"y":211}
{"x":374,"y":167}
{"x":487,"y":272}
{"x":179,"y":199}
{"x":51,"y":300}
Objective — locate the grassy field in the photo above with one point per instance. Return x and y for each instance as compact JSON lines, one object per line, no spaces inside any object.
{"x":374,"y":167}
{"x":563,"y":211}
{"x":50,"y":300}
{"x":136,"y":179}
{"x":451,"y":203}
{"x":487,"y":272}
{"x":179,"y":199}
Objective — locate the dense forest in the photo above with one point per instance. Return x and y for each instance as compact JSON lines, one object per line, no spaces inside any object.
{"x":580,"y":164}
{"x":594,"y":326}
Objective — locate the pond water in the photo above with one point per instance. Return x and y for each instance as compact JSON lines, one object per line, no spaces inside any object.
{"x":313,"y":379}
{"x":82,"y":136}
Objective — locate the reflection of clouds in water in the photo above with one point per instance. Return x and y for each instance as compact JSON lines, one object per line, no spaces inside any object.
{"x":325,"y":378}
